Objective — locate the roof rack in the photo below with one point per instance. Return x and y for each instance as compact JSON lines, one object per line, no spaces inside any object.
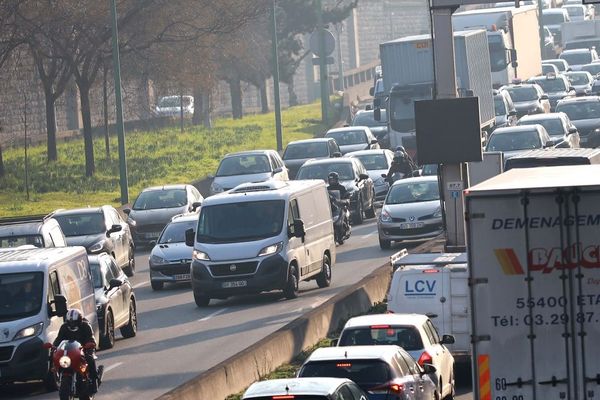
{"x":25,"y":218}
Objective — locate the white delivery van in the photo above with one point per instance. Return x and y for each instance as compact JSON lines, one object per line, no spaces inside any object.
{"x":37,"y":286}
{"x":260,"y":237}
{"x":434,"y":284}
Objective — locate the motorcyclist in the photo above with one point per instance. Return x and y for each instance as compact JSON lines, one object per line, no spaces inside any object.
{"x":333,"y":179}
{"x":401,"y":163}
{"x":79,"y":329}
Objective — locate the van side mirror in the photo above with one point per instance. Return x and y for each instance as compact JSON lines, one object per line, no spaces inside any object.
{"x":113,"y":229}
{"x":429,"y":369}
{"x":334,"y":342}
{"x":277,"y":170}
{"x":189,"y":238}
{"x":196,"y":205}
{"x":572,"y":130}
{"x":447,"y":339}
{"x":299,"y":229}
{"x":60,"y":305}
{"x":549,"y":143}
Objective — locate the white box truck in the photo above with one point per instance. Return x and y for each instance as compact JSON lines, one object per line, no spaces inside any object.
{"x":581,"y":34}
{"x":533,"y":239}
{"x":436,"y":285}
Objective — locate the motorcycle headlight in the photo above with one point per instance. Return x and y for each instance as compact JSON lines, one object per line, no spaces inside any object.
{"x":64,"y":362}
{"x":131,"y":221}
{"x":272,"y":249}
{"x":438,"y":212}
{"x":385,"y":216}
{"x":198,"y":255}
{"x":216,"y":188}
{"x":157,"y":260}
{"x":97,"y":247}
{"x":33,"y":330}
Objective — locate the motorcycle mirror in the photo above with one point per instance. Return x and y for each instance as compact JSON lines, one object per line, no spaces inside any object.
{"x":89,"y":346}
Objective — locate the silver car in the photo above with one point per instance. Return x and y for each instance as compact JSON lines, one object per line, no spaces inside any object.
{"x":170,"y":258}
{"x":410,"y":211}
{"x":377,"y":162}
{"x":248,"y":167}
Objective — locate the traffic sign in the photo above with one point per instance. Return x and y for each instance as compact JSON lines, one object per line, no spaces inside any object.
{"x":329,"y":43}
{"x":455,"y":186}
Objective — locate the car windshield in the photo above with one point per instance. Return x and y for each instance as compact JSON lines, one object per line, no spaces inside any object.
{"x":366,"y":118}
{"x":81,"y":224}
{"x":500,"y":106}
{"x":156,"y":199}
{"x":374,"y":161}
{"x":523,"y":93}
{"x":514,"y":141}
{"x":592,"y":68}
{"x":406,"y":337}
{"x":346,"y":138}
{"x":299,"y":151}
{"x":365,"y":373}
{"x":20,"y":295}
{"x":175,"y":232}
{"x":21,"y":240}
{"x":582,"y":44}
{"x":430,"y":169}
{"x":554,"y":127}
{"x":552,"y":85}
{"x":240,"y":222}
{"x":320,"y":171}
{"x":173,"y":101}
{"x":579,"y":78}
{"x":548,"y":68}
{"x":583,"y":110}
{"x":577,"y":58}
{"x":246,"y":164}
{"x":575,"y":11}
{"x":413,"y":192}
{"x":558,"y":64}
{"x":96,"y":271}
{"x":553,"y":19}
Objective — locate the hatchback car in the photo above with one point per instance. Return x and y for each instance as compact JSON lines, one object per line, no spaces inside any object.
{"x":170,"y":106}
{"x":511,"y":141}
{"x":171,"y":258}
{"x":593,"y":68}
{"x":504,"y":108}
{"x":528,"y":99}
{"x":411,"y":211}
{"x":581,"y":81}
{"x":37,"y":230}
{"x":415,"y":333}
{"x":353,"y":175}
{"x":549,"y":69}
{"x":305,"y":388}
{"x":556,"y":87}
{"x":377,"y":163}
{"x":562,"y":65}
{"x":379,"y":128}
{"x":353,"y":138}
{"x":115,"y":300}
{"x":584,"y":113}
{"x":577,"y":58}
{"x":99,"y":229}
{"x":384,"y":372}
{"x":246,"y":167}
{"x":296,"y":153}
{"x":558,"y":125}
{"x":155,"y":206}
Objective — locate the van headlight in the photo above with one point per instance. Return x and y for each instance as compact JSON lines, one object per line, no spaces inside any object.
{"x":64,"y":362}
{"x":33,"y":330}
{"x":97,"y":247}
{"x":198,"y":255}
{"x":272,"y":249}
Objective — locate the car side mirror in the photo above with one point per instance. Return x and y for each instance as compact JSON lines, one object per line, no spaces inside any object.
{"x":152,"y":243}
{"x":277,"y":170}
{"x":571,"y":89}
{"x":196,"y":205}
{"x":371,"y":91}
{"x":189,"y":238}
{"x":377,"y":114}
{"x":429,"y":369}
{"x":60,"y":305}
{"x":417,"y":172}
{"x":337,"y":154}
{"x":114,"y":283}
{"x":210,"y":176}
{"x":549,"y":143}
{"x":299,"y":228}
{"x":512,"y":113}
{"x":374,"y":141}
{"x":544,"y":97}
{"x":126,"y":211}
{"x":447,"y":339}
{"x":572,"y":130}
{"x":362,"y":177}
{"x":113,"y":229}
{"x":384,"y":176}
{"x":334,"y":342}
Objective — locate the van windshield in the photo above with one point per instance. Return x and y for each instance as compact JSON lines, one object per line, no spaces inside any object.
{"x":21,"y":240}
{"x":20,"y":295}
{"x":244,"y":221}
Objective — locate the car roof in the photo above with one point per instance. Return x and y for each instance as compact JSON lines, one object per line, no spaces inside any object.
{"x":584,"y":99}
{"x":82,"y":210}
{"x":516,"y":129}
{"x":519,"y":85}
{"x":553,"y":11}
{"x":348,"y":129}
{"x":335,"y":160}
{"x":315,"y":140}
{"x":386,"y":319}
{"x":367,"y":152}
{"x":184,"y":218}
{"x":576,"y":73}
{"x":427,"y":178}
{"x":575,"y":51}
{"x":248,"y":152}
{"x":379,"y":352}
{"x":540,"y":117}
{"x":295,"y":386}
{"x":165,"y":187}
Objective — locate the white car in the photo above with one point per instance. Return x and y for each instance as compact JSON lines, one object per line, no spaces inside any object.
{"x":415,"y":333}
{"x":377,"y":162}
{"x":353,"y":138}
{"x":170,"y":106}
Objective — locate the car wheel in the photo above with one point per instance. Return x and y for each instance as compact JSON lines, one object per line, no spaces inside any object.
{"x":201,"y":300}
{"x":291,"y":288}
{"x":324,"y":277}
{"x":107,"y":340}
{"x":385,"y":244}
{"x":452,"y":389}
{"x":157,"y":285}
{"x":130,"y":268}
{"x":358,"y":215}
{"x":130,"y":330}
{"x":370,"y":213}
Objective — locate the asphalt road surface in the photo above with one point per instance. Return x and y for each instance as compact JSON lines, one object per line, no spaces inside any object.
{"x":177,"y":341}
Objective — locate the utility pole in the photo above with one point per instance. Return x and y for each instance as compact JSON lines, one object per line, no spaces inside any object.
{"x":339,"y":28}
{"x":541,"y":27}
{"x":322,"y":64}
{"x":275,"y":57}
{"x":119,"y":105}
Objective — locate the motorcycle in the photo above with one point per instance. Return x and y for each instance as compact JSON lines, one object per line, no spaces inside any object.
{"x":71,"y":368}
{"x":341,"y":217}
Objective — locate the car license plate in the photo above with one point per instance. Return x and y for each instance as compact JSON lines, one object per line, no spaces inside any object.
{"x":152,"y":235}
{"x":411,"y":225}
{"x":182,"y":277}
{"x":234,"y":284}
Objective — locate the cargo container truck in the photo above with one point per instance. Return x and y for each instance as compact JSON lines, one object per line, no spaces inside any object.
{"x":533,"y":239}
{"x":581,"y":34}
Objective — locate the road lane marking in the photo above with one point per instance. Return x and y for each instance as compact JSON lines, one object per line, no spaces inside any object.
{"x":368,"y":236}
{"x":209,"y":316}
{"x":140,"y":284}
{"x":109,"y":368}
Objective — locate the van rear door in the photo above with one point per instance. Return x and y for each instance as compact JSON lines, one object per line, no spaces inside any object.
{"x":458,"y":323}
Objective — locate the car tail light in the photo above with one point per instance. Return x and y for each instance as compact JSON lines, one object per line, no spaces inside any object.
{"x":380,"y":327}
{"x":431,"y":271}
{"x":284,"y":397}
{"x":388,"y":388}
{"x":425,"y":359}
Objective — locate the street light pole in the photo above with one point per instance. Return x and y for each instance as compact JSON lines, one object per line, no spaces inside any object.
{"x":322,"y":64}
{"x":278,"y":127}
{"x":119,"y":105}
{"x":541,"y":27}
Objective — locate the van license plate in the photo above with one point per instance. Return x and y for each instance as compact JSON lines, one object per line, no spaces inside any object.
{"x":182,"y":277}
{"x":411,"y":225}
{"x":235,"y":284}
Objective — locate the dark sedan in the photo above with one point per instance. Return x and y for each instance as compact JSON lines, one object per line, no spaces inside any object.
{"x":584,"y":113}
{"x":379,"y":128}
{"x":115,"y":300}
{"x":528,"y":99}
{"x":556,"y":87}
{"x":99,"y":229}
{"x":297,"y":152}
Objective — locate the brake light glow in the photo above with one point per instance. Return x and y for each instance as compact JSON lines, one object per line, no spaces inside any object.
{"x":284,"y":397}
{"x":425,"y":359}
{"x":397,"y":388}
{"x":431,"y":271}
{"x":387,"y":388}
{"x":380,"y":326}
{"x":343,"y":365}
{"x":390,"y":332}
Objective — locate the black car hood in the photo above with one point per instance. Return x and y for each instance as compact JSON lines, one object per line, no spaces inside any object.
{"x":86,"y":240}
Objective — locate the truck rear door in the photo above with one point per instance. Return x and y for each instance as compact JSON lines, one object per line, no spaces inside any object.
{"x":458,"y":323}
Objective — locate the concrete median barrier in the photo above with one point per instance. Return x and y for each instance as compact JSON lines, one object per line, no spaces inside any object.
{"x":241,"y":370}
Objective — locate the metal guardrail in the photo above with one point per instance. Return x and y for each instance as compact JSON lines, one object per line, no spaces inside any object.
{"x":357,"y":76}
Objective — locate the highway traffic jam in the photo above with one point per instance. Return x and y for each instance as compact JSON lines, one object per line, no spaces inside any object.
{"x":276,"y":231}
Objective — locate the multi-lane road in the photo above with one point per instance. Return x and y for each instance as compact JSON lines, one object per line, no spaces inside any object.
{"x":177,"y":341}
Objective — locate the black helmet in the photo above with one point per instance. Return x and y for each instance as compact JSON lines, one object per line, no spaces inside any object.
{"x":73,"y":319}
{"x":333,"y":178}
{"x":401,"y":148}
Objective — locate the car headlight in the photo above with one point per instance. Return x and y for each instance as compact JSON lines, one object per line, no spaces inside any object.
{"x":157,"y":260}
{"x":64,"y":362}
{"x":216,"y":188}
{"x":198,"y":255}
{"x":131,"y":221}
{"x":596,"y":131}
{"x":438,"y":212}
{"x":30,"y":331}
{"x":271,"y":249}
{"x":385,"y":216}
{"x":97,"y":247}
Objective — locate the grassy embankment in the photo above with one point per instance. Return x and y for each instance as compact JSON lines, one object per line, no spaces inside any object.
{"x":154,"y":158}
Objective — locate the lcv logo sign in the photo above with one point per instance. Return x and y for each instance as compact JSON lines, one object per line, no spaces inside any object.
{"x":421,"y":287}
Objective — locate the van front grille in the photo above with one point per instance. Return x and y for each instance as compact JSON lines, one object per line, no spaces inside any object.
{"x":232,"y":269}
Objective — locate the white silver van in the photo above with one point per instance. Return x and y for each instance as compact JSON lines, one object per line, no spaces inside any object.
{"x":260,"y":237}
{"x":37,"y":286}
